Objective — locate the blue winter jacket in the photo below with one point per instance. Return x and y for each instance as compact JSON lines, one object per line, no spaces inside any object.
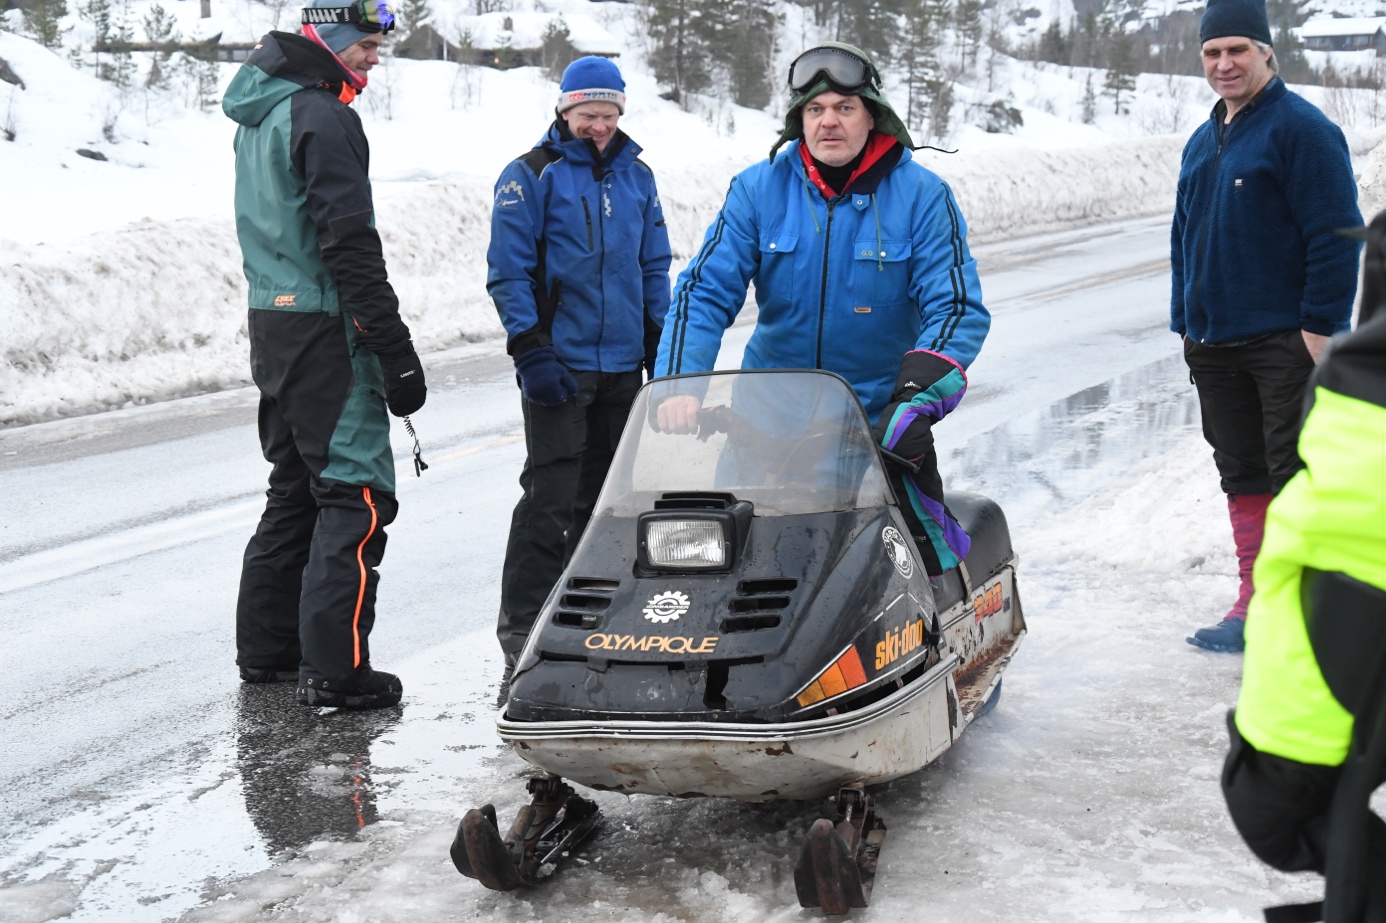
{"x":849,"y":284}
{"x":596,"y":232}
{"x":1253,"y":247}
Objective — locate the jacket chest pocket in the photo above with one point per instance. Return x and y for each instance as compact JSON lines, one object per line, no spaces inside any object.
{"x":777,"y":261}
{"x":880,"y":273}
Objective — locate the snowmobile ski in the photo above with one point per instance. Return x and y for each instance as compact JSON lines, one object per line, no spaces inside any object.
{"x":837,"y":865}
{"x":544,"y":833}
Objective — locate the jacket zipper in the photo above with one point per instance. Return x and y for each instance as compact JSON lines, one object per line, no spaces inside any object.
{"x":823,"y":291}
{"x":1223,"y":138}
{"x":587,"y":213}
{"x":601,"y":269}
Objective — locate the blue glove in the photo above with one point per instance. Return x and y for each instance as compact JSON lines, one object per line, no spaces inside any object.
{"x":543,"y":379}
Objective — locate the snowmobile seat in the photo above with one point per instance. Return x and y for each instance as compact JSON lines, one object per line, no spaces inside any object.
{"x":983,"y":521}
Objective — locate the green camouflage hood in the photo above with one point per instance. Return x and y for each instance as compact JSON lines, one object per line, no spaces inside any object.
{"x":887,"y":121}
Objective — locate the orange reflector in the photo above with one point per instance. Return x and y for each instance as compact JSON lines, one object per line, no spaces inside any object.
{"x":844,"y":674}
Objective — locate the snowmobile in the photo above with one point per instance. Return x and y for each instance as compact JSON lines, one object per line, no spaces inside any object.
{"x":747,"y":617}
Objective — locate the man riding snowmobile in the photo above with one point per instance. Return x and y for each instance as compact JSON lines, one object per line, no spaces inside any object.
{"x":897,"y":309}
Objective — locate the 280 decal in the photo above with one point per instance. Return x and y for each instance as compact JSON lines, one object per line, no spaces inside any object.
{"x":989,"y":601}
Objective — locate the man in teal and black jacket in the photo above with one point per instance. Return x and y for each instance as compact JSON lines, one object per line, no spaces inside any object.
{"x":860,"y":264}
{"x":1260,"y":278}
{"x":328,"y":351}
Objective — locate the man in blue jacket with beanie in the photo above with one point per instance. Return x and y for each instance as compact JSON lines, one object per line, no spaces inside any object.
{"x":860,"y":264}
{"x":1261,"y":279}
{"x":579,"y":271}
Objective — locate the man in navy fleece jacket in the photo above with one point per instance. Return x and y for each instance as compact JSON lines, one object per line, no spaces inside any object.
{"x":1261,"y":279}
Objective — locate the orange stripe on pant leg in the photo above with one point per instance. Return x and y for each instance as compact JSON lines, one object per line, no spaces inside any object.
{"x":361,"y":593}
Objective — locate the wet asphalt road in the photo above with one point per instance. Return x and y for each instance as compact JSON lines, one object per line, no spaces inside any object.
{"x":139,"y":769}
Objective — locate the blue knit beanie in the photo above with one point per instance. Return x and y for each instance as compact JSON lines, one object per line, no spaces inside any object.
{"x":1241,"y":18}
{"x":592,"y":80}
{"x":338,"y":36}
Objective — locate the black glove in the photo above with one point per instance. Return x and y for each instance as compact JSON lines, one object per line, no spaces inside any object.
{"x":405,"y":389}
{"x":543,"y":379}
{"x":653,"y":333}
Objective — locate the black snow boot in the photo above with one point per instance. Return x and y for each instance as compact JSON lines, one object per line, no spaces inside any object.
{"x":366,"y":688}
{"x":259,"y":675}
{"x":504,"y":693}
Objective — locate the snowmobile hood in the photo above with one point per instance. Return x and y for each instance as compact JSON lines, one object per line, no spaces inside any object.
{"x":281,"y":65}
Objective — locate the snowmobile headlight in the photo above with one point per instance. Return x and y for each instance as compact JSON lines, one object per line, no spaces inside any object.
{"x":693,"y":543}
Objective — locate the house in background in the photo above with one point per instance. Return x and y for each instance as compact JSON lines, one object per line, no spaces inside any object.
{"x":1357,"y":34}
{"x":506,"y":40}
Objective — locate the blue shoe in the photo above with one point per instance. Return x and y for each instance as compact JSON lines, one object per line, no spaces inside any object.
{"x":1225,"y":637}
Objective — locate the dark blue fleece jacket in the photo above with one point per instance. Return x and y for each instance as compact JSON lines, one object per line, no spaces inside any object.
{"x":1253,"y":247}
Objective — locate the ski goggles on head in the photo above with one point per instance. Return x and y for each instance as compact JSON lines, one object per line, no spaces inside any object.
{"x":838,"y":66}
{"x":367,"y":15}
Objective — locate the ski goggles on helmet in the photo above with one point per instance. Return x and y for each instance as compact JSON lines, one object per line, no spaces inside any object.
{"x":366,"y":15}
{"x":838,"y":66}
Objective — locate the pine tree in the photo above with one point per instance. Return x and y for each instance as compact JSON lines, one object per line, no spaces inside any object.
{"x":930,"y":91}
{"x":1053,"y":45}
{"x":741,"y":36}
{"x":160,"y":28}
{"x":97,"y":13}
{"x":681,"y":59}
{"x":43,"y":20}
{"x":122,"y":69}
{"x":556,"y":49}
{"x":1121,"y":72}
{"x":412,"y":14}
{"x":967,"y":19}
{"x":1089,"y":103}
{"x":870,"y":25}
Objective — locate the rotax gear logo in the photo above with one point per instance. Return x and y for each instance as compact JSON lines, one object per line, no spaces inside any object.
{"x":899,"y":552}
{"x":667,"y":607}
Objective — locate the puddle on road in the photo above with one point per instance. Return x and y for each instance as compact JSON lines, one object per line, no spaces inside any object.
{"x":1070,"y":450}
{"x":284,"y":778}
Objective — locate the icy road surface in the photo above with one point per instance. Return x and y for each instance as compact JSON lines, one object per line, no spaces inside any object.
{"x":142,"y":782}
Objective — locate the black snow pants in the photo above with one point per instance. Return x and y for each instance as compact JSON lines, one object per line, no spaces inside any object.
{"x":1281,"y":809}
{"x":308,"y":582}
{"x":570,"y":449}
{"x":1251,"y":398}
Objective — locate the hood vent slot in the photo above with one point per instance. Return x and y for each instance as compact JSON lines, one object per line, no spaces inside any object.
{"x":582,"y":609}
{"x":593,"y":584}
{"x":763,"y":587}
{"x":749,"y":623}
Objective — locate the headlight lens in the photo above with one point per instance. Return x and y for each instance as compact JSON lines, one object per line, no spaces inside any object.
{"x":685,"y":543}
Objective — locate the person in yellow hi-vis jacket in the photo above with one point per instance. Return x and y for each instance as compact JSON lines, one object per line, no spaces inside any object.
{"x":1309,"y":730}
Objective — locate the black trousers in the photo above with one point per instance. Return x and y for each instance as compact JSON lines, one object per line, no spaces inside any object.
{"x":1251,"y":398}
{"x":308,"y":579}
{"x":570,"y":449}
{"x":1281,"y":809}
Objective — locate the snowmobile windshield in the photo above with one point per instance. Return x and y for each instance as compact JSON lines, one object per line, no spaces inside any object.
{"x":788,"y":441}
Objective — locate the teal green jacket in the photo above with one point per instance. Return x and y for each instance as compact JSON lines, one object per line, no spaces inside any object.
{"x":304,"y":214}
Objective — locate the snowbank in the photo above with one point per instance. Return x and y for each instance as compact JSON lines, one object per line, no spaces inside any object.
{"x":155,"y":309}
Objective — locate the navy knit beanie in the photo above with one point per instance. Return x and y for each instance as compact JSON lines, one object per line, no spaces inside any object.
{"x":592,"y":79}
{"x":1242,"y":18}
{"x":338,"y":36}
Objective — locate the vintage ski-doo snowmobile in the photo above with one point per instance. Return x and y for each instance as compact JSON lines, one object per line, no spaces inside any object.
{"x":746,"y":617}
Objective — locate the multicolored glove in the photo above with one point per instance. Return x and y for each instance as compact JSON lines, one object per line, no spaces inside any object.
{"x":928,"y":387}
